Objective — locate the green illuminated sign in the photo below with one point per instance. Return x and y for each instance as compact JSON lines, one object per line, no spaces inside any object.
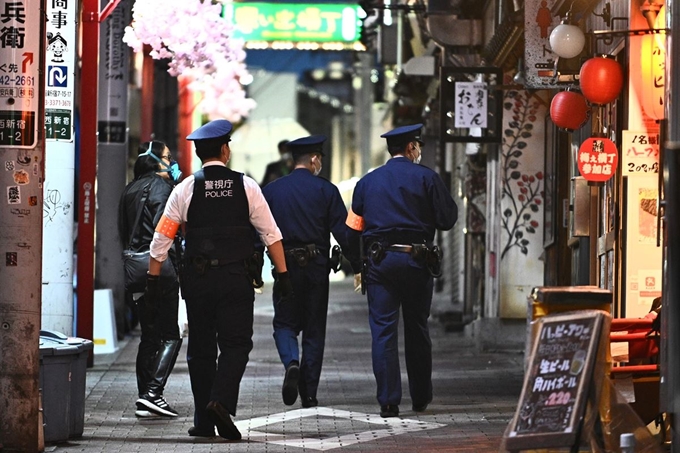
{"x":295,"y":22}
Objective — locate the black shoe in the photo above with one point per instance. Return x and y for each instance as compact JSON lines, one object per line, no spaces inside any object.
{"x":289,"y":391}
{"x":156,"y":404}
{"x":309,"y":401}
{"x":420,"y":407}
{"x":197,"y":432}
{"x":221,"y":418}
{"x":391,"y":410}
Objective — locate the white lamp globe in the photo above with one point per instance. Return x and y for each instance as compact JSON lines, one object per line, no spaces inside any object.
{"x":567,"y":40}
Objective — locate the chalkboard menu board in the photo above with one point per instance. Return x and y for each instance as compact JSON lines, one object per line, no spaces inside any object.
{"x":557,"y":382}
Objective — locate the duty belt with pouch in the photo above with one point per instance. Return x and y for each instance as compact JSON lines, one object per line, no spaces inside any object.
{"x":430,"y":256}
{"x":303,"y":255}
{"x":201,"y":263}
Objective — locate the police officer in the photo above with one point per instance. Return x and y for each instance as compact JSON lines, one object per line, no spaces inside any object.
{"x":307,"y":208}
{"x":219,"y":208}
{"x":396,"y":209}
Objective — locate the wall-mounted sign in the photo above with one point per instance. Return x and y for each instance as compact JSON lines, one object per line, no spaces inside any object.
{"x":295,"y":22}
{"x":19,"y":73}
{"x":60,"y":70}
{"x":640,"y":153}
{"x":597,"y":159}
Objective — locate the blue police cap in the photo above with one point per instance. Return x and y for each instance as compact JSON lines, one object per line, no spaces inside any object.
{"x":213,"y":129}
{"x":307,"y":145}
{"x":403,"y":135}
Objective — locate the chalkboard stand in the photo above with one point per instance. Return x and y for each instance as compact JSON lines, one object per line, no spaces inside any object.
{"x":559,"y":404}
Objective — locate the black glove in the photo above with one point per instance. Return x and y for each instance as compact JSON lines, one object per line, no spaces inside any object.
{"x":152,"y":297}
{"x":283,"y":288}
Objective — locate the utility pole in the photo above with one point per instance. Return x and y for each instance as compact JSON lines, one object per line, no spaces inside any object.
{"x":22,"y":152}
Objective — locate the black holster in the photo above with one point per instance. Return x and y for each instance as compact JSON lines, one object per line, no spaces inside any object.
{"x":253,"y":267}
{"x":335,"y":261}
{"x":303,"y":255}
{"x":433,"y":261}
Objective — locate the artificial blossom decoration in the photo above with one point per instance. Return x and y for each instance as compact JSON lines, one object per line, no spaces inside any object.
{"x":198,"y":43}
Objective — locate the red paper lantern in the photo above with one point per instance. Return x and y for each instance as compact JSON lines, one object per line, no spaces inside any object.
{"x":601,"y":79}
{"x":568,"y":110}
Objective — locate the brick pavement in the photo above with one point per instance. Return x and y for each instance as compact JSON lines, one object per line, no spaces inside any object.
{"x":474,"y":397}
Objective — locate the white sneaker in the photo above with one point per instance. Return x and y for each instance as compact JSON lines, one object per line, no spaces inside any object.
{"x":156,"y":404}
{"x":142,"y":413}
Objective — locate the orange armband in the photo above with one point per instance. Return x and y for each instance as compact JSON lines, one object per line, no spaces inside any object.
{"x":354,"y":221}
{"x":167,"y":227}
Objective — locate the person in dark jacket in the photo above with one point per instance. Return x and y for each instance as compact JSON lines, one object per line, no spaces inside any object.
{"x":307,"y":209}
{"x":396,"y":209}
{"x":219,"y":208}
{"x":160,"y":341}
{"x":279,"y":168}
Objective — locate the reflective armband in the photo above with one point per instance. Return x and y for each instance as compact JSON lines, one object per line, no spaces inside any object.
{"x":167,"y":227}
{"x":354,"y":221}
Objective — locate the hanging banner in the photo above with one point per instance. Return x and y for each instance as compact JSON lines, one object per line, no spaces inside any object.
{"x":19,"y":73}
{"x":597,"y":159}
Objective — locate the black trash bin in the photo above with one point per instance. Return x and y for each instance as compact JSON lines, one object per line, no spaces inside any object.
{"x":63,"y":365}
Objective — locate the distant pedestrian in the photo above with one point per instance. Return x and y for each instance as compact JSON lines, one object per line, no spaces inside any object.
{"x":140,"y":208}
{"x":307,"y":208}
{"x":281,"y":167}
{"x":396,"y":209}
{"x":219,"y":208}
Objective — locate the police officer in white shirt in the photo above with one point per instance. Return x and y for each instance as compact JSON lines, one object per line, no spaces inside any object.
{"x":220,"y":209}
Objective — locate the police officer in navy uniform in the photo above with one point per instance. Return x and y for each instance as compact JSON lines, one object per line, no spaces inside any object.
{"x":396,"y":209}
{"x":219,"y":209}
{"x":307,"y":208}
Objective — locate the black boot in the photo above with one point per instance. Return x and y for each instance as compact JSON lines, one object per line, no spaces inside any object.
{"x":163,"y":365}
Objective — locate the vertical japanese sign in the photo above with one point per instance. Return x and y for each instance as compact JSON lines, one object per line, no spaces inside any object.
{"x":60,"y":75}
{"x":113,"y":54}
{"x":19,"y":74}
{"x":643,"y":273}
{"x":471,"y":104}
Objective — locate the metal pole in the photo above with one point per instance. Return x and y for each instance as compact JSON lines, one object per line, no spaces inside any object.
{"x":22,"y":151}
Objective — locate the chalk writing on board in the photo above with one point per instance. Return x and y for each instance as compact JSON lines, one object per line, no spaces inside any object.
{"x":556,"y":382}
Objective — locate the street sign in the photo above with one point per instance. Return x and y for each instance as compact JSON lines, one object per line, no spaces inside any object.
{"x":60,"y":70}
{"x":19,"y":72}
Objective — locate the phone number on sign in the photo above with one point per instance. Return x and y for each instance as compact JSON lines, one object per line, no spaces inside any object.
{"x":17,"y":80}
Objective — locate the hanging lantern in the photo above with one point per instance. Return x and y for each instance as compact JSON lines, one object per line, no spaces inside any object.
{"x":567,"y":40}
{"x":569,"y":110}
{"x":601,"y":79}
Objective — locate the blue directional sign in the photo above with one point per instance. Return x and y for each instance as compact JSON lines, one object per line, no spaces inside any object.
{"x":57,"y":76}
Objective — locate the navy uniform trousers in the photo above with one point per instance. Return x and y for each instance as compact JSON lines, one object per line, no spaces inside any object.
{"x":305,"y":312}
{"x":220,"y":305}
{"x":400,"y":282}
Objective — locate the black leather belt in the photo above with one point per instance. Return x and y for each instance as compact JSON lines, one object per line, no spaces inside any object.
{"x":399,"y":248}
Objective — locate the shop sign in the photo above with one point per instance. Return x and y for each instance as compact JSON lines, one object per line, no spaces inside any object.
{"x":597,"y":159}
{"x":295,"y":22}
{"x":471,"y":104}
{"x":640,"y":153}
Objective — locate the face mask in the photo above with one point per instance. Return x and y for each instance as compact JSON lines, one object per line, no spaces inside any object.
{"x":286,"y":156}
{"x":417,"y":159}
{"x":317,"y":170}
{"x":173,"y":168}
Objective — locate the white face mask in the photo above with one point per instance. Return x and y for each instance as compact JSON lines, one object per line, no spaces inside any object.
{"x":317,"y":170}
{"x":416,"y":160}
